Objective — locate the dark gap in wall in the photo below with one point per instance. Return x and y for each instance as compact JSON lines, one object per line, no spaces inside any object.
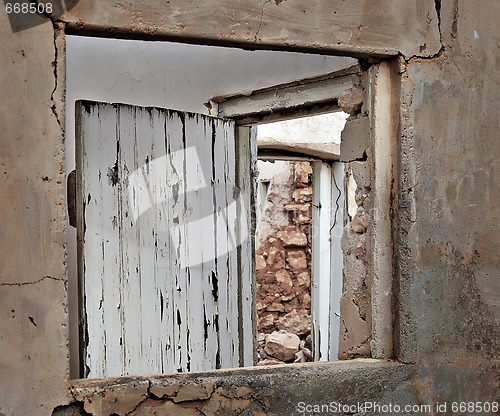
{"x":74,"y":409}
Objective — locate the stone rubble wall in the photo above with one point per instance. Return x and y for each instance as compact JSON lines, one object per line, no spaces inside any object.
{"x":283,"y":262}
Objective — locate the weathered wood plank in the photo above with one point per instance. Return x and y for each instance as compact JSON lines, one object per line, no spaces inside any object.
{"x":149,"y":146}
{"x":226,"y":194}
{"x":246,"y":171}
{"x":163,"y":295}
{"x":175,"y":128}
{"x":382,"y":27}
{"x":100,"y":195}
{"x":286,"y":97}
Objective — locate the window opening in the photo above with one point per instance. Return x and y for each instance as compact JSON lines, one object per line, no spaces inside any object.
{"x":318,"y":156}
{"x":294,"y":209}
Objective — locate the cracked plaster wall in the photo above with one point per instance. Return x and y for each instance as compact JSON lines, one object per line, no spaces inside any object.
{"x":33,"y":317}
{"x":447,"y":268}
{"x":449,"y":274}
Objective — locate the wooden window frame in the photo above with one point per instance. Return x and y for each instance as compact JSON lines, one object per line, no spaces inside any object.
{"x":320,"y":95}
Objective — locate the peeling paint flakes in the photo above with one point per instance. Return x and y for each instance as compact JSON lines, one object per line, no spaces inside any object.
{"x":174,"y":314}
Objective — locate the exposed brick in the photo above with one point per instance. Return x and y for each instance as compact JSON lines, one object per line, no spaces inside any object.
{"x":302,"y":170}
{"x":297,"y":207}
{"x":303,"y":194}
{"x":282,"y":346}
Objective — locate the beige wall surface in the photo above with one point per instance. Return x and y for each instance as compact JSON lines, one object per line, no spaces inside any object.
{"x":447,"y":307}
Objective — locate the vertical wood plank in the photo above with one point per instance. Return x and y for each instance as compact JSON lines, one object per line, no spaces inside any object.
{"x":101,"y":249}
{"x":225,"y":243}
{"x":321,"y":259}
{"x":337,"y":257}
{"x":202,"y":302}
{"x":175,"y":130}
{"x":131,"y":312}
{"x":246,"y":172}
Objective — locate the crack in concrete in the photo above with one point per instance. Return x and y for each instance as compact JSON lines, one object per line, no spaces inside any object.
{"x":442,"y":49}
{"x":454,"y":24}
{"x":336,"y":203}
{"x":262,"y":6}
{"x":148,"y":393}
{"x":415,"y":58}
{"x":55,"y":65}
{"x":56,"y":28}
{"x":259,"y":402}
{"x":32,"y":283}
{"x":437,"y":5}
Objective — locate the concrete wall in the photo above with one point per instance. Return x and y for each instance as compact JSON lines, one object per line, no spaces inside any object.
{"x":445,"y":216}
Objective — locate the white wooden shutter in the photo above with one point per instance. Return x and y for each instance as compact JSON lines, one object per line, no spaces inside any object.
{"x":165,"y":251}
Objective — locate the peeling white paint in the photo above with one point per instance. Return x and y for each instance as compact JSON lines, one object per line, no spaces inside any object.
{"x":327,"y":259}
{"x":162,"y":296}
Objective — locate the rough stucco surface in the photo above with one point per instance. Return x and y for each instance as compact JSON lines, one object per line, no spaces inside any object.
{"x":248,"y":391}
{"x":447,"y":321}
{"x":449,"y":311}
{"x":355,"y":318}
{"x":33,"y":330}
{"x":382,"y":27}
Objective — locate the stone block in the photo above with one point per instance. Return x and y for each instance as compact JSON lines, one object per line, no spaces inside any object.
{"x":282,"y":346}
{"x":266,"y":323}
{"x":297,"y":260}
{"x":361,"y":221}
{"x":304,"y":279}
{"x":351,"y":100}
{"x":298,"y":323}
{"x":260,"y":262}
{"x":276,"y":258}
{"x":284,"y":280}
{"x":292,"y":237}
{"x":303,"y":194}
{"x":361,"y":172}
